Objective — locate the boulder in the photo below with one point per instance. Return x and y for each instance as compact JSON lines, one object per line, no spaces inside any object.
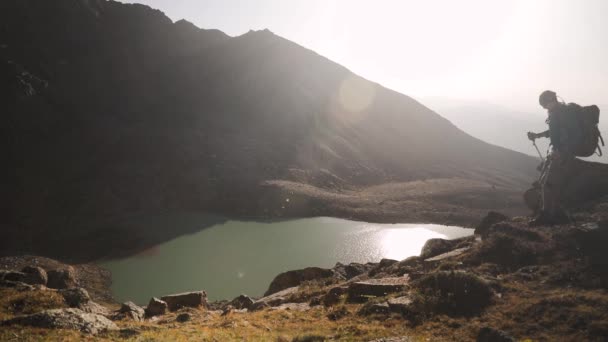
{"x":352,"y":270}
{"x":382,"y":265}
{"x":156,"y":307}
{"x":434,"y":247}
{"x":402,"y":305}
{"x":132,"y":311}
{"x":447,"y":255}
{"x":62,"y":278}
{"x":488,"y":221}
{"x":295,"y":278}
{"x":75,"y":297}
{"x":35,"y":275}
{"x":186,"y":300}
{"x":487,"y":334}
{"x":73,"y":319}
{"x":363,"y":290}
{"x":241,"y":302}
{"x":274,"y":299}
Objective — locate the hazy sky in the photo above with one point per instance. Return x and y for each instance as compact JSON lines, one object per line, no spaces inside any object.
{"x":498,"y":51}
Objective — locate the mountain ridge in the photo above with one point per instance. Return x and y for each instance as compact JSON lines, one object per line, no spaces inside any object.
{"x":140,"y":114}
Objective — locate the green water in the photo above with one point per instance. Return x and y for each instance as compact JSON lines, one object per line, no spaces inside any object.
{"x":234,"y":257}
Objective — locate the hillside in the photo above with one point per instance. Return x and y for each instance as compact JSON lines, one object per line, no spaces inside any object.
{"x":507,"y":283}
{"x":113,"y":109}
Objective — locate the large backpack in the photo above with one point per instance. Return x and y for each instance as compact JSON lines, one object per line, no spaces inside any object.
{"x":587,"y":119}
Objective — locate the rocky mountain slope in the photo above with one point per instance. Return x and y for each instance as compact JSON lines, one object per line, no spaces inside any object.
{"x":112,"y":109}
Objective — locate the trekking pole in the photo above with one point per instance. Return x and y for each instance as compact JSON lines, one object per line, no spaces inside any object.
{"x":537,"y":150}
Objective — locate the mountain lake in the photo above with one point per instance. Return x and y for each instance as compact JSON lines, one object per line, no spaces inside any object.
{"x":233,"y":257}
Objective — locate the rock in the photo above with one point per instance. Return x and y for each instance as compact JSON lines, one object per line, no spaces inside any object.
{"x":274,"y":299}
{"x":62,"y":279}
{"x":394,"y":339}
{"x":487,"y":334}
{"x":35,"y":275}
{"x":448,"y":255}
{"x":132,"y":311}
{"x":17,"y":285}
{"x":186,"y":300}
{"x":15,"y":276}
{"x":156,"y":307}
{"x":402,"y":305}
{"x":184,"y":317}
{"x":434,"y":247}
{"x":352,"y":270}
{"x":384,"y":263}
{"x":491,"y":218}
{"x":333,"y":296}
{"x":75,"y":297}
{"x":295,"y":278}
{"x":73,"y":319}
{"x":242,"y":302}
{"x":374,"y":309}
{"x":361,"y":291}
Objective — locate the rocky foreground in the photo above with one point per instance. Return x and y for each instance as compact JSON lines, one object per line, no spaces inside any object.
{"x":508,"y":282}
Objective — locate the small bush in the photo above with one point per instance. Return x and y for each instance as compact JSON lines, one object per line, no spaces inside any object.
{"x":452,"y":293}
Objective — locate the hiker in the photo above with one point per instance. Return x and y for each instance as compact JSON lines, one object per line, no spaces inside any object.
{"x":559,"y":161}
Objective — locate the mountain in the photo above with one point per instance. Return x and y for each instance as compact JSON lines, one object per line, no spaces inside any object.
{"x":111,"y":110}
{"x":499,"y":125}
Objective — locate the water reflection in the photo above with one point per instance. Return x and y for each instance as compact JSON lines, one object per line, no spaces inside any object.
{"x":243,"y":257}
{"x":399,"y":244}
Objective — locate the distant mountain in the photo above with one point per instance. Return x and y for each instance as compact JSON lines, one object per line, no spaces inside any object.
{"x":112,"y":109}
{"x":501,"y":126}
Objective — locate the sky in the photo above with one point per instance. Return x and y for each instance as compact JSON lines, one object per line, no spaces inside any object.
{"x":492,"y":51}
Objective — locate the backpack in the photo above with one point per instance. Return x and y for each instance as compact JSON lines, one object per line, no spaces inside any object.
{"x":587,"y":119}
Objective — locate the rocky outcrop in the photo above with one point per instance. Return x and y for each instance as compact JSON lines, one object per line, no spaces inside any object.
{"x":364,"y":290}
{"x":75,"y":297}
{"x":274,"y":299}
{"x":352,"y":270}
{"x":73,"y":319}
{"x":35,"y":275}
{"x":434,"y":247}
{"x":186,"y":300}
{"x":62,"y":278}
{"x":131,"y":311}
{"x":294,"y":278}
{"x":156,"y":307}
{"x":242,"y":302}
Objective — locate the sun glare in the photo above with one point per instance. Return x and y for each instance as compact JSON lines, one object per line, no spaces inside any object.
{"x":398,"y":244}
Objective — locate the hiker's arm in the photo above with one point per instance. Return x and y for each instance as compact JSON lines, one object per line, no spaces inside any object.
{"x":533,"y":136}
{"x":544,"y":134}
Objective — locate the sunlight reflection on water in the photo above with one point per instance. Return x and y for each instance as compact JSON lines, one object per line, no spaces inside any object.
{"x":243,"y":257}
